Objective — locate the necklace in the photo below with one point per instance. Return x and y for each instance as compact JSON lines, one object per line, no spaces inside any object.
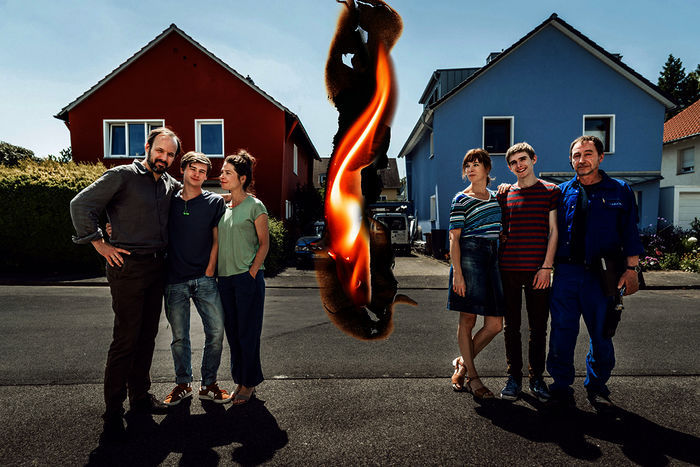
{"x":185,"y":212}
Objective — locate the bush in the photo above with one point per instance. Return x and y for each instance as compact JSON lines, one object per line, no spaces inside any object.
{"x":11,"y":155}
{"x":35,"y":227}
{"x":279,"y":248}
{"x":690,"y":262}
{"x":670,"y":261}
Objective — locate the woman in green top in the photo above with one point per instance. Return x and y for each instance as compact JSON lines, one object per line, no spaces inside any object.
{"x":243,"y":244}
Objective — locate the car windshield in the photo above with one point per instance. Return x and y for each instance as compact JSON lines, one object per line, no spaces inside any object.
{"x":394,"y":223}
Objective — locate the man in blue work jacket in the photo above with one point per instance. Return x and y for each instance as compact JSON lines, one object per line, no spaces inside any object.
{"x":597,"y":217}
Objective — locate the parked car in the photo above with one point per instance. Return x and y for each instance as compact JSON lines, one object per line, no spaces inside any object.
{"x":306,"y":246}
{"x":401,"y":226}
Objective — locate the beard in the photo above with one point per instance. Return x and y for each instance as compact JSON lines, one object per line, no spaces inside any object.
{"x":153,"y":165}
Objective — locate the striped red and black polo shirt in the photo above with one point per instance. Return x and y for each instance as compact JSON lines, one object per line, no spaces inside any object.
{"x":526,"y":225}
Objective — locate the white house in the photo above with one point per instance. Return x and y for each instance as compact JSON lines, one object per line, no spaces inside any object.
{"x":679,"y":198}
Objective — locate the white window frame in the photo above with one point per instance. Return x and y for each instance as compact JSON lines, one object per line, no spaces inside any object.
{"x":321,"y":179}
{"x":432,"y":145}
{"x":107,"y":134}
{"x":198,"y":136}
{"x":288,"y":209}
{"x":295,"y":168}
{"x":680,"y":170}
{"x":612,"y":128}
{"x":433,"y":208}
{"x":496,"y":117}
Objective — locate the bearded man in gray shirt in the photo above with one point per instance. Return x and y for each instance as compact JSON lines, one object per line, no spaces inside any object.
{"x":137,"y":200}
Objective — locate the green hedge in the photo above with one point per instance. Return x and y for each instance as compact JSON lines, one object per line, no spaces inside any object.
{"x":36,"y":228}
{"x":35,"y":225}
{"x":277,"y":257}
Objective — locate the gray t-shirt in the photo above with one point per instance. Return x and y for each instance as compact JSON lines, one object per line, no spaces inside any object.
{"x":137,"y":207}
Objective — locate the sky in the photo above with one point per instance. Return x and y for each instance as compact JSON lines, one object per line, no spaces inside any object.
{"x":53,"y":51}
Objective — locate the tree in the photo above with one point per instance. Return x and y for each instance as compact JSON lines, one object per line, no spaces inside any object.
{"x":308,"y":206}
{"x":64,"y":156}
{"x":683,"y":89}
{"x":11,"y":155}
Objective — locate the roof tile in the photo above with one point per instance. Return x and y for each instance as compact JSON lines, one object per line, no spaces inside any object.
{"x":683,"y":125}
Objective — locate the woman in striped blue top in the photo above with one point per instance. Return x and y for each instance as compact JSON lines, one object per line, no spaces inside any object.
{"x":475,"y":282}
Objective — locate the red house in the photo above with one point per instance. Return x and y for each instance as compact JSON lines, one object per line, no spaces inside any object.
{"x":175,"y":82}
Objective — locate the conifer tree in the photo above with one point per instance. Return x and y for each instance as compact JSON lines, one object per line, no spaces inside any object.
{"x":683,"y":89}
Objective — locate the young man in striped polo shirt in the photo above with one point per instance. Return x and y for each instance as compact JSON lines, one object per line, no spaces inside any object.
{"x":529,"y":243}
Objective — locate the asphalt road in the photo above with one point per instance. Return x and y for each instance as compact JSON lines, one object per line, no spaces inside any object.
{"x":331,"y":399}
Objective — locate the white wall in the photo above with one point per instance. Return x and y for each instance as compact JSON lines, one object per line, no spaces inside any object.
{"x":669,"y":163}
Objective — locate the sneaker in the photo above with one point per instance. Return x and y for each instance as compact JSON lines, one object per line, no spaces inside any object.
{"x":512,"y":389}
{"x":602,"y":404}
{"x":214,"y":393}
{"x":181,"y":391}
{"x":148,"y":404}
{"x":538,"y":388}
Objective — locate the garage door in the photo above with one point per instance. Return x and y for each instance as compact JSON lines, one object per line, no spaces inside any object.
{"x":688,"y":208}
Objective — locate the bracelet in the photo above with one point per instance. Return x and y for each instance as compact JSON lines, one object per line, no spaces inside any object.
{"x":543,"y":268}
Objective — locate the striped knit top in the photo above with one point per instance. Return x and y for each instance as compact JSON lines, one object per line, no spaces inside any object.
{"x":526,"y":225}
{"x":476,"y":217}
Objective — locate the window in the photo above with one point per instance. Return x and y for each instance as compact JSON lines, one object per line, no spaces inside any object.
{"x":602,"y":126}
{"x":296,"y":160}
{"x":288,"y":209}
{"x":127,"y":138}
{"x":433,"y":208}
{"x":209,"y":137}
{"x":498,"y":134}
{"x":322,"y":180}
{"x":432,"y":146}
{"x":686,"y":160}
{"x":382,"y":198}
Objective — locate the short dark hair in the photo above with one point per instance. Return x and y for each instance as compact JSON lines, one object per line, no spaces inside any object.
{"x":193,"y":158}
{"x":594,"y":139}
{"x":156,"y":132}
{"x":477,"y":155}
{"x":243,"y":164}
{"x":520,"y":147}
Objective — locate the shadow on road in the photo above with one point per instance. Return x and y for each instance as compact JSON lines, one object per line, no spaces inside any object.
{"x":641,"y":440}
{"x":251,"y":429}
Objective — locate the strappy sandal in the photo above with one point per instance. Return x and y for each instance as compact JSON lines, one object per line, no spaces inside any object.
{"x":458,"y":376}
{"x":242,"y":399}
{"x":481,"y":393}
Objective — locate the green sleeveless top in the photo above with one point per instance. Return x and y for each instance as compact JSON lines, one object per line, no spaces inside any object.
{"x":238,"y":239}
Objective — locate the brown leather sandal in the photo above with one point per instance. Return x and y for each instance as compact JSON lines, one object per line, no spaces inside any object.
{"x":480,"y":393}
{"x":459,"y":375}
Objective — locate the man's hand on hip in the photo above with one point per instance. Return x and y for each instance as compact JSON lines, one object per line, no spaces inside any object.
{"x":111,"y":253}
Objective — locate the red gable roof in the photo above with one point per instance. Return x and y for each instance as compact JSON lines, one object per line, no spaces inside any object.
{"x":683,"y":125}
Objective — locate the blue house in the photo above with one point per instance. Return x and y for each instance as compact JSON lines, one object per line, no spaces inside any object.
{"x":548,"y":88}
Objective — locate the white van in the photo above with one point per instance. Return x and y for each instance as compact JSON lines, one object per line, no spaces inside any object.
{"x":401,"y":227}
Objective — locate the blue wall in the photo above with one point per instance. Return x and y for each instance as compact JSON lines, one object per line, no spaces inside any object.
{"x":547,"y":85}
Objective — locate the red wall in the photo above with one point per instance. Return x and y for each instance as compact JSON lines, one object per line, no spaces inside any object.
{"x":177,"y":82}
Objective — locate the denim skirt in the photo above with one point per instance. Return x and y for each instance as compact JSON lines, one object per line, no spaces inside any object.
{"x":484,"y":291}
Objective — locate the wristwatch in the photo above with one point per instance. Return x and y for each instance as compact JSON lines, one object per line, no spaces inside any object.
{"x":634,"y":268}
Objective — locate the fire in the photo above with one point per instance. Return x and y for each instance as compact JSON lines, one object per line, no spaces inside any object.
{"x":348,"y":232}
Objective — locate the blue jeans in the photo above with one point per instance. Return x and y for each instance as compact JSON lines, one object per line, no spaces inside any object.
{"x":243,"y":298}
{"x":205,"y":295}
{"x":576,"y":292}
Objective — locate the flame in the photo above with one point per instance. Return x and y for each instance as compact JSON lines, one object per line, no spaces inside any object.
{"x":348,"y":232}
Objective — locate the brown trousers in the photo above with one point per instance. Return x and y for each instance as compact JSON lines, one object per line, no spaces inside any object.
{"x":137,"y":298}
{"x":537,"y":305}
